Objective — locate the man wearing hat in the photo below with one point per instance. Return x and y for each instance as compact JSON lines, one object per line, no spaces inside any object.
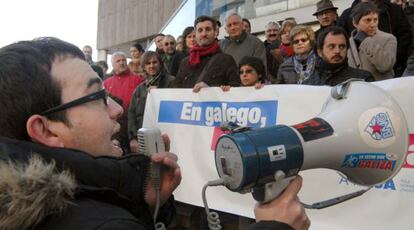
{"x":326,"y":15}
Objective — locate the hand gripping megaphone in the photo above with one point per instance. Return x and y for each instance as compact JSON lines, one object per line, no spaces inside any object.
{"x":361,"y":132}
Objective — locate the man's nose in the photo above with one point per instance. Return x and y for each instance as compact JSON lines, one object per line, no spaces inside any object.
{"x":115,"y":109}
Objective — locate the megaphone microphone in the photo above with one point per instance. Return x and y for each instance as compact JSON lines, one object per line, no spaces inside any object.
{"x":361,"y":132}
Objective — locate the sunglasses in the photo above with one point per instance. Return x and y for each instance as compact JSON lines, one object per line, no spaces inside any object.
{"x":169,"y":43}
{"x":303,"y":40}
{"x":101,"y":94}
{"x":247,"y":71}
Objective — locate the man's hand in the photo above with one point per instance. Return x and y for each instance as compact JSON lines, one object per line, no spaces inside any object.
{"x":197,"y":87}
{"x":286,"y":208}
{"x":225,"y":88}
{"x":170,"y":174}
{"x":133,"y":145}
{"x":258,"y":85}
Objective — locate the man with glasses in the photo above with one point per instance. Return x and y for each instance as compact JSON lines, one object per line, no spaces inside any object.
{"x":121,"y":86}
{"x":59,"y":167}
{"x":169,"y":56}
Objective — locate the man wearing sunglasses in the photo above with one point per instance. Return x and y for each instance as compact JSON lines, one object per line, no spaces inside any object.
{"x":58,"y":166}
{"x":169,"y":55}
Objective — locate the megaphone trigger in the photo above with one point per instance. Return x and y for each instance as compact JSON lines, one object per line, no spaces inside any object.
{"x":271,"y":190}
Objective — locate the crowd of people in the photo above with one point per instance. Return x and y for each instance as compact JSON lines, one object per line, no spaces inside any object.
{"x":85,"y":129}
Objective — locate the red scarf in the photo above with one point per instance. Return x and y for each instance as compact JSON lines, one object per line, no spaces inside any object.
{"x":286,"y":50}
{"x":198,"y":51}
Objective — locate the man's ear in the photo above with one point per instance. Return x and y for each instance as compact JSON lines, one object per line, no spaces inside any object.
{"x":354,"y":23}
{"x":40,"y":130}
{"x":319,"y":52}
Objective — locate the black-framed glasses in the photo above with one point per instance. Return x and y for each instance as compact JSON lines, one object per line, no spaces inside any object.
{"x":101,"y":94}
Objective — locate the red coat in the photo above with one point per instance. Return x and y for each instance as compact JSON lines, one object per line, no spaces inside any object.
{"x":122,"y":86}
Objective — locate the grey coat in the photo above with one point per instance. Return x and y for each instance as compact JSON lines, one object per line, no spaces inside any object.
{"x":376,"y":54}
{"x":245,"y":45}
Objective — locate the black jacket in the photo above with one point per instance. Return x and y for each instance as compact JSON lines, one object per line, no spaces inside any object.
{"x":333,"y":74}
{"x":92,"y":193}
{"x":393,"y":20}
{"x":214,"y":70}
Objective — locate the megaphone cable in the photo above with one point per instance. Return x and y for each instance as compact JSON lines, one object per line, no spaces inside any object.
{"x":213,"y":217}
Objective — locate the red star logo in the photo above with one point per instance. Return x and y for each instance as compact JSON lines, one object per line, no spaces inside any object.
{"x":376,"y":129}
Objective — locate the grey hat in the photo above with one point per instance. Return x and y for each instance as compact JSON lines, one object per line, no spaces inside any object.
{"x":324,"y":5}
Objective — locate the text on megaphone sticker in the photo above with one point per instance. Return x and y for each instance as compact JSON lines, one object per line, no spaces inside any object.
{"x":369,"y":161}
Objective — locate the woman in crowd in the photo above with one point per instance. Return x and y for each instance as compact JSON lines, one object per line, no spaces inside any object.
{"x":299,"y":68}
{"x":155,"y":77}
{"x":286,"y":49}
{"x":252,"y":73}
{"x":136,"y":52}
{"x":188,"y":42}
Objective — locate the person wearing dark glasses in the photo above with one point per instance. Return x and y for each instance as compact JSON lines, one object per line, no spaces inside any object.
{"x":59,"y":166}
{"x":299,"y":68}
{"x":170,"y":52}
{"x":252,"y":73}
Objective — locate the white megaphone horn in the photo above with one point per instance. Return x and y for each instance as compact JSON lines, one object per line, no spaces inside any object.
{"x":361,"y":132}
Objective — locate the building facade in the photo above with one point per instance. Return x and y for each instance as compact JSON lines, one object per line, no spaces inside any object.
{"x":121,"y":23}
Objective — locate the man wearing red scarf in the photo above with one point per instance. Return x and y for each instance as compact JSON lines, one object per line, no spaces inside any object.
{"x":206,"y":65}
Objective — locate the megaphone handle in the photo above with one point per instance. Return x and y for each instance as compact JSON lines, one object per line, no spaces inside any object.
{"x":270,"y":191}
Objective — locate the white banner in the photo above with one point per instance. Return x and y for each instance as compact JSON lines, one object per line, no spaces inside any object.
{"x":191,"y":121}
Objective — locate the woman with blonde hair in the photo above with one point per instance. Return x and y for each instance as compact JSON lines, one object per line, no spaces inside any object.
{"x":299,"y":68}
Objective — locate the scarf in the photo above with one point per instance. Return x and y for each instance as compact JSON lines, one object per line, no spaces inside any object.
{"x":198,"y":51}
{"x":286,"y":50}
{"x":304,"y":66}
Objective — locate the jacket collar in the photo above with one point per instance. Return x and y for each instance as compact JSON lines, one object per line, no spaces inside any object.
{"x":121,"y":178}
{"x":238,"y":39}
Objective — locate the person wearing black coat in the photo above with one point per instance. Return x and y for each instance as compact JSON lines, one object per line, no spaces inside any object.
{"x":393,"y":20}
{"x":332,"y":66}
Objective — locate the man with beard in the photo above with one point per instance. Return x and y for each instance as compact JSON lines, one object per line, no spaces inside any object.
{"x":206,"y":65}
{"x":333,"y":67}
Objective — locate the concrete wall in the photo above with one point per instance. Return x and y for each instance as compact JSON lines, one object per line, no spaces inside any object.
{"x":121,"y":22}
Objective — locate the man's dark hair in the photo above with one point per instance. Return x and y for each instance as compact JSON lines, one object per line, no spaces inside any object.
{"x":362,"y":9}
{"x":334,"y":30}
{"x":139,"y":47}
{"x":204,"y":18}
{"x":26,"y":84}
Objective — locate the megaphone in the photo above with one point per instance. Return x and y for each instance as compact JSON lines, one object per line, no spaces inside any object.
{"x":361,"y":132}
